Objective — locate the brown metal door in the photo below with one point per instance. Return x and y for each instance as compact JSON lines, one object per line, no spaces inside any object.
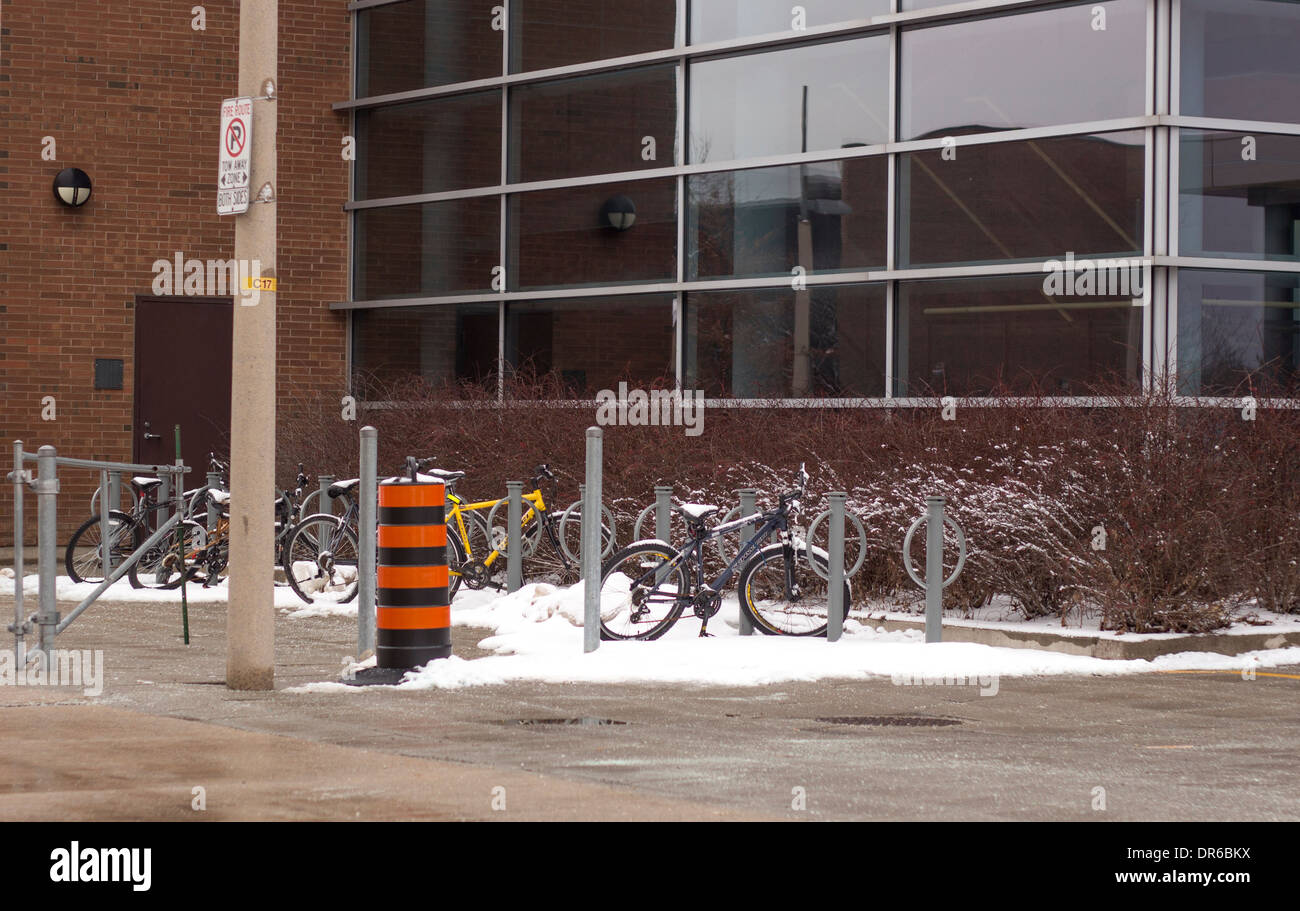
{"x":182,"y":376}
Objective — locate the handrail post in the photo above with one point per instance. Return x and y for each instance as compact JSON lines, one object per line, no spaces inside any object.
{"x":20,"y":627}
{"x":591,"y":516}
{"x":748,"y":506}
{"x":934,"y":570}
{"x":835,"y":557}
{"x":514,"y":516}
{"x":366,"y":529}
{"x":47,"y":492}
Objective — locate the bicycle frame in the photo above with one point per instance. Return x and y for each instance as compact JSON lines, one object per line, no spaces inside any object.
{"x":536,"y":508}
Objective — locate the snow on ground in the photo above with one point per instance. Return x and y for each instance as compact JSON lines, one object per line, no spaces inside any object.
{"x":538,"y":636}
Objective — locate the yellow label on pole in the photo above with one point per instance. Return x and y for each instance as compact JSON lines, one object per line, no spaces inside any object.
{"x":259,"y":284}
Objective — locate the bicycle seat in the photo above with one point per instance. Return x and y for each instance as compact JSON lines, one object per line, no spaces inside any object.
{"x":697,"y":512}
{"x":339,"y":488}
{"x":146,"y":483}
{"x":446,"y":477}
{"x":220,"y":497}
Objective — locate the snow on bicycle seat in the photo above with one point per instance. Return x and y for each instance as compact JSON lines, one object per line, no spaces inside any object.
{"x":339,"y":488}
{"x":146,"y":483}
{"x":220,"y":497}
{"x":697,"y":512}
{"x":447,"y":477}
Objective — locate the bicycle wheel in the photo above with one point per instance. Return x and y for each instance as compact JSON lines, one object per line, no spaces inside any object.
{"x":83,"y":557}
{"x":546,"y":562}
{"x":639,"y":599}
{"x":321,"y":560}
{"x":778,"y":609}
{"x":455,"y":559}
{"x":128,"y":501}
{"x":162,"y":566}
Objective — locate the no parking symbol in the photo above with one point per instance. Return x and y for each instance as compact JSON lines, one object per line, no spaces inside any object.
{"x":235,"y":160}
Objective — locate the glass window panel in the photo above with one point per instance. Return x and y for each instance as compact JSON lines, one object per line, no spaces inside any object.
{"x":421,"y":43}
{"x":1238,"y":332}
{"x":1006,"y":201}
{"x":432,"y":248}
{"x":594,"y":124}
{"x":1006,"y":335}
{"x":807,"y":98}
{"x":547,"y":33}
{"x":825,"y":217}
{"x":568,"y":237}
{"x":720,"y":20}
{"x":1034,"y":69}
{"x":1239,"y":195}
{"x":442,"y":344}
{"x":1239,"y":59}
{"x":779,"y":343}
{"x":591,"y":344}
{"x":429,"y":146}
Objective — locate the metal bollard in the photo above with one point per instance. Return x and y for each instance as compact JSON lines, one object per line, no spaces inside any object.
{"x":514,"y":546}
{"x":591,"y":516}
{"x":47,"y":493}
{"x":835,"y":557}
{"x":934,"y":570}
{"x":214,"y":483}
{"x":663,"y":511}
{"x":326,"y":504}
{"x":748,"y":506}
{"x":366,"y":530}
{"x":105,"y":538}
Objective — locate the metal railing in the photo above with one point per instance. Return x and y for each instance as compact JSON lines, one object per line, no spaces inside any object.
{"x":46,"y":486}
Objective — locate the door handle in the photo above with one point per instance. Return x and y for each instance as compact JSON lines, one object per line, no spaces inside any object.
{"x":150,"y":436}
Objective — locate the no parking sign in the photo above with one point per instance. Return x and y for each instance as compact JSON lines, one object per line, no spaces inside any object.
{"x":235,"y":160}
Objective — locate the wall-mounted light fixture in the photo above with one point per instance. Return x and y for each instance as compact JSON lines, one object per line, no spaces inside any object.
{"x":72,"y":187}
{"x":618,"y":212}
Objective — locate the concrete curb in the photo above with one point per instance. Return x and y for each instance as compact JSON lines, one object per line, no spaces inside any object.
{"x":1099,"y":647}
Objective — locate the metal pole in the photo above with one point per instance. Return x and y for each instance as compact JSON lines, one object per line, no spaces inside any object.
{"x":19,"y":627}
{"x":164,"y":495}
{"x":214,"y":483}
{"x":115,"y":488}
{"x":250,"y":618}
{"x":105,"y":538}
{"x":934,"y":570}
{"x":47,"y":493}
{"x":748,"y":506}
{"x":368,"y":491}
{"x":326,"y":503}
{"x":514,"y":514}
{"x":591,"y":541}
{"x":663,"y":511}
{"x":835,"y":556}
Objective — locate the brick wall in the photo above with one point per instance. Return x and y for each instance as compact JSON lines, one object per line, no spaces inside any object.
{"x":130,"y":92}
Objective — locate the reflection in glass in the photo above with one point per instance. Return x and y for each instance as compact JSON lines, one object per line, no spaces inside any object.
{"x":624,"y":121}
{"x":591,"y":344}
{"x":443,"y":344}
{"x":719,"y":20}
{"x":429,"y":146}
{"x":806,"y":98}
{"x":1033,"y":69}
{"x":1006,"y":335}
{"x":569,"y":237}
{"x":1239,"y":59}
{"x":547,"y":34}
{"x":824,"y":217}
{"x":1022,"y":200}
{"x":826,"y":341}
{"x":1238,"y":332}
{"x":426,"y":249}
{"x":421,"y":43}
{"x":1239,"y":195}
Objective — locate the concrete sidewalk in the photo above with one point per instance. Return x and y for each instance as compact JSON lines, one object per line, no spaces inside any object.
{"x":1162,"y":746}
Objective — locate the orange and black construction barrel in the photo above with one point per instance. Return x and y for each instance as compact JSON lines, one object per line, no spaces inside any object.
{"x":412,"y":609}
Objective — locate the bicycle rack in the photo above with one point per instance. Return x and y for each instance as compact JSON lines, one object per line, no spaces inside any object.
{"x":934,"y":583}
{"x":605,"y":551}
